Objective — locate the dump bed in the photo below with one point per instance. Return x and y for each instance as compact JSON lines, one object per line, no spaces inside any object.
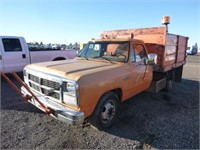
{"x":170,"y":48}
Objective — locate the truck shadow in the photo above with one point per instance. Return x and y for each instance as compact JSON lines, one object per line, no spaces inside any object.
{"x":11,"y":100}
{"x":163,"y":120}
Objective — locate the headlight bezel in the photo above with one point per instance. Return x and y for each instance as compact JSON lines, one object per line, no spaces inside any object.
{"x":71,"y":88}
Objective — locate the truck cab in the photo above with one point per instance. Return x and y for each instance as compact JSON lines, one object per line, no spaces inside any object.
{"x":131,"y":53}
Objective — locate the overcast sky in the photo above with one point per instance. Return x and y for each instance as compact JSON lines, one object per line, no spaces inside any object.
{"x":69,"y":21}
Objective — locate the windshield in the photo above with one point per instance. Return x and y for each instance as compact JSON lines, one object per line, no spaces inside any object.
{"x":115,"y":51}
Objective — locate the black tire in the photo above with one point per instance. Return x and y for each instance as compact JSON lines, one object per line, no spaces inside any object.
{"x":170,"y":81}
{"x":106,"y":111}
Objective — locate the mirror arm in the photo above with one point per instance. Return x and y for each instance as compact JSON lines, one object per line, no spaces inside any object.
{"x":145,"y":61}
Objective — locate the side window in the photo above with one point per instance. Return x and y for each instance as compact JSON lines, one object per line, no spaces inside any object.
{"x":12,"y":45}
{"x":138,"y":53}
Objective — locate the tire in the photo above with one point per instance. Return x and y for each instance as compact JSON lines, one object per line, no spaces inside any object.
{"x":170,"y":81}
{"x":106,"y":111}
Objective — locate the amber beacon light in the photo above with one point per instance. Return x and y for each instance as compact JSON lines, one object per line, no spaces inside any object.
{"x":166,"y":20}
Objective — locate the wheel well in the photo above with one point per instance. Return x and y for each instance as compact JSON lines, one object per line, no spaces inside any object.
{"x":118,"y":92}
{"x":59,"y":58}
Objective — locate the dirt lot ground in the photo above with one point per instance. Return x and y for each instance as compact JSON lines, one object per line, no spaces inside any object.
{"x":161,"y":121}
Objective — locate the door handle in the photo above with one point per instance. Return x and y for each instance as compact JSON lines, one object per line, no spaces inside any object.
{"x":0,"y":57}
{"x":23,"y":55}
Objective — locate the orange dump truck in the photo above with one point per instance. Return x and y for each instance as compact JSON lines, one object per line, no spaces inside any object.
{"x":108,"y":71}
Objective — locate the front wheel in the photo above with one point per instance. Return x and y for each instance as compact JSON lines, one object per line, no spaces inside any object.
{"x":106,"y":111}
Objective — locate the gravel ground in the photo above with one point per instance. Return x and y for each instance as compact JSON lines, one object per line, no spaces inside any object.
{"x":147,"y":121}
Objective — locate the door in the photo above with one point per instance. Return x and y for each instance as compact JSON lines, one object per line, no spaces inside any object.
{"x":14,"y":55}
{"x":141,"y":71}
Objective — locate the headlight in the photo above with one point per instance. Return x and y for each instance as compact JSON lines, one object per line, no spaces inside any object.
{"x":70,"y":93}
{"x":71,"y":88}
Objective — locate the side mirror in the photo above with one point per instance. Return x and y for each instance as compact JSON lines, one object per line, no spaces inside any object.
{"x":152,"y":59}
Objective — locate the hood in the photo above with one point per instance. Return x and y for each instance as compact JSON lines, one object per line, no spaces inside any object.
{"x":72,"y":69}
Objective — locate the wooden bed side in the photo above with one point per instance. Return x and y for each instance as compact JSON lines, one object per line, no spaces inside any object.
{"x":182,"y":47}
{"x":170,"y":50}
{"x":148,"y":35}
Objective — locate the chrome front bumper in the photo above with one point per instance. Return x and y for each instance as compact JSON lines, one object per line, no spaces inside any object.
{"x":61,"y":113}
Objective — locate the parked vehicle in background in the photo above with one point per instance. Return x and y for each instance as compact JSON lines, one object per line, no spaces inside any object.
{"x":63,"y":46}
{"x":193,"y":50}
{"x":55,"y":46}
{"x":15,"y":54}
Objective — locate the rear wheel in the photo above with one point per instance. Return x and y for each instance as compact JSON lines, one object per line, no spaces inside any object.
{"x":170,"y":81}
{"x":106,"y":111}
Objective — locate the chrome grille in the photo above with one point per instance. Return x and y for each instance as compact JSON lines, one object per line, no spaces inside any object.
{"x":52,"y":94}
{"x":45,"y":86}
{"x":51,"y":84}
{"x":33,"y":78}
{"x":34,"y":86}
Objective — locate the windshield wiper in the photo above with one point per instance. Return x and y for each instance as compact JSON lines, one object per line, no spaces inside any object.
{"x":103,"y":58}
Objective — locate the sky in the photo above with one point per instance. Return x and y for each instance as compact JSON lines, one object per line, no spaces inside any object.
{"x":69,"y":21}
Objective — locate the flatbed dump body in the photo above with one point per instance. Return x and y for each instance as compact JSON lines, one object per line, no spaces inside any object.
{"x":170,"y":48}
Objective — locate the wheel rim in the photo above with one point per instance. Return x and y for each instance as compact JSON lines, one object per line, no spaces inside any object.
{"x":108,"y":111}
